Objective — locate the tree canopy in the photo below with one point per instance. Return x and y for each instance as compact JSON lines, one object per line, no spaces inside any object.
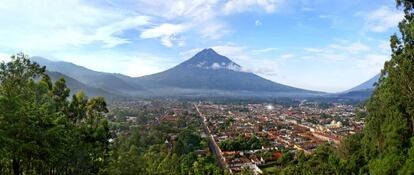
{"x":41,"y":131}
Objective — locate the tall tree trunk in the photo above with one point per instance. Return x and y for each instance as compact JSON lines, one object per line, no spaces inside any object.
{"x":16,"y":166}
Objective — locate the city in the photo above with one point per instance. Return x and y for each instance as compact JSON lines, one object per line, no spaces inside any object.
{"x":248,"y":136}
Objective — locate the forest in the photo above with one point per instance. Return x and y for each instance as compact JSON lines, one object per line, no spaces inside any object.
{"x":41,"y":130}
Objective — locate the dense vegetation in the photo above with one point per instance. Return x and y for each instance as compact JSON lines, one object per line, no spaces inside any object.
{"x":41,"y":131}
{"x":164,"y":148}
{"x":386,"y":145}
{"x":241,"y":143}
{"x":131,"y":156}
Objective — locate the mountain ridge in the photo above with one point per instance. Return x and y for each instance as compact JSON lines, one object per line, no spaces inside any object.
{"x":361,"y":91}
{"x":207,"y":73}
{"x":369,"y":84}
{"x":76,"y":86}
{"x":210,"y":70}
{"x":87,"y":76}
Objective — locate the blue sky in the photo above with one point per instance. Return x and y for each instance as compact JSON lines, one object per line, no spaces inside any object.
{"x":325,"y":45}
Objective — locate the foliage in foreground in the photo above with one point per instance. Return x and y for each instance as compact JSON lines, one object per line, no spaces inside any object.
{"x":387,"y":144}
{"x":41,"y":131}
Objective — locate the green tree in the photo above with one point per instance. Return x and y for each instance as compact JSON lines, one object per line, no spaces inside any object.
{"x":187,"y":142}
{"x":390,"y":110}
{"x":125,"y":162}
{"x":38,"y":133}
{"x":18,"y":119}
{"x":409,"y":162}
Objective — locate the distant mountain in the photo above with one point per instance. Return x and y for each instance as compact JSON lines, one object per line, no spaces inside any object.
{"x":367,"y":85}
{"x":76,"y":86}
{"x":209,"y":71}
{"x":362,"y":91}
{"x":106,"y":81}
{"x":207,"y":74}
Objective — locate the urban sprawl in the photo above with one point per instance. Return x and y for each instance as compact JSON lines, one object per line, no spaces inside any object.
{"x":254,"y":136}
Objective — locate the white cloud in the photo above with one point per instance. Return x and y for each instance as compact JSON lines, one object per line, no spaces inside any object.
{"x":51,"y":25}
{"x":269,"y":49}
{"x":258,"y":23}
{"x":316,"y":50}
{"x":339,"y":51}
{"x":268,"y":68}
{"x":372,"y":62}
{"x":384,"y":46}
{"x":307,"y":9}
{"x":325,"y":16}
{"x":238,"y":6}
{"x":58,"y":25}
{"x":355,"y":47}
{"x":326,"y":56}
{"x":213,"y":30}
{"x":106,"y":33}
{"x":382,"y":19}
{"x":287,"y":56}
{"x":166,"y":32}
{"x":234,"y":67}
{"x":215,"y":66}
{"x":162,"y":30}
{"x":197,"y":10}
{"x":201,"y":16}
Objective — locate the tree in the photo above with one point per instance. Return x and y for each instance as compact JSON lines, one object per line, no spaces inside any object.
{"x":351,"y":155}
{"x":17,"y":100}
{"x":187,"y":142}
{"x":41,"y":132}
{"x":409,"y":162}
{"x":125,"y":162}
{"x":390,"y":110}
